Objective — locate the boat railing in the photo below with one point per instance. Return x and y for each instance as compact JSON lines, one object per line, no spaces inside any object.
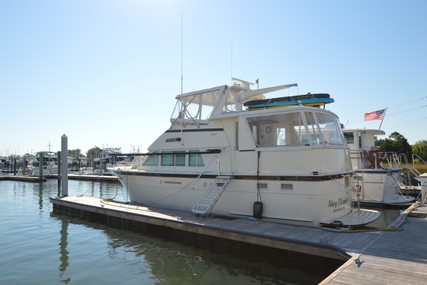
{"x":358,"y":158}
{"x":393,"y":159}
{"x":376,"y":159}
{"x":414,"y":155}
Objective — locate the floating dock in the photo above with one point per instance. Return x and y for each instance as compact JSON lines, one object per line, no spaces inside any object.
{"x":23,"y":178}
{"x":85,"y":177}
{"x":394,"y":257}
{"x":369,"y":257}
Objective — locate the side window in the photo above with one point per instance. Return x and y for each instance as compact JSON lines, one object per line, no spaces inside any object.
{"x":167,"y":159}
{"x":277,"y":130}
{"x":195,"y":159}
{"x":151,"y":160}
{"x":173,"y":159}
{"x":179,"y":159}
{"x":349,"y":138}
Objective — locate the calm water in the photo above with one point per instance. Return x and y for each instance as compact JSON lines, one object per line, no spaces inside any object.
{"x":39,"y":247}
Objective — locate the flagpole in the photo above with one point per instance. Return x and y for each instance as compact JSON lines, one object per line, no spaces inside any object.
{"x":385,"y":111}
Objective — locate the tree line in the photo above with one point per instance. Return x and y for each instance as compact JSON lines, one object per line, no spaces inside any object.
{"x":399,"y":144}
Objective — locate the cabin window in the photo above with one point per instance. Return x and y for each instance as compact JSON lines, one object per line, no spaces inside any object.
{"x":330,"y":129}
{"x":323,"y":129}
{"x":167,"y":160}
{"x":277,"y":130}
{"x":313,"y":130}
{"x":179,"y":159}
{"x":173,"y":159}
{"x":293,"y":129}
{"x":349,"y":138}
{"x":195,"y":159}
{"x":151,"y":160}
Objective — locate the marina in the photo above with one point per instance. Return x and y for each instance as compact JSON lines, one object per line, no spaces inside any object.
{"x":278,"y":177}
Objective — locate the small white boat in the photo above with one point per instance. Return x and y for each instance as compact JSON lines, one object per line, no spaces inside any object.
{"x":287,"y":164}
{"x":379,"y":175}
{"x":48,"y":161}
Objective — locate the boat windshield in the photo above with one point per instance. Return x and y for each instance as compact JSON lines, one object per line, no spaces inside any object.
{"x":296,"y":129}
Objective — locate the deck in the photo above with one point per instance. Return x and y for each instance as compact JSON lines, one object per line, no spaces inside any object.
{"x":395,"y":257}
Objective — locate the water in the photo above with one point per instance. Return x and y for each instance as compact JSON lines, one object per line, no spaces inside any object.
{"x":40,"y":247}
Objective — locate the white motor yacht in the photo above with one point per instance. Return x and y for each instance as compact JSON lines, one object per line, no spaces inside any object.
{"x":231,"y":151}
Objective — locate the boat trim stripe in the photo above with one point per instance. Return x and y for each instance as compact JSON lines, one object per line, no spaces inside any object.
{"x":311,"y":178}
{"x":195,"y":130}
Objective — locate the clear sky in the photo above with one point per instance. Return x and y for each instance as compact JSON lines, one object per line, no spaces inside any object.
{"x":106,"y":72}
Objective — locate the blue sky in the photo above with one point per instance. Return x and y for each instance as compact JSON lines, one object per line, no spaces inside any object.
{"x":106,"y":72}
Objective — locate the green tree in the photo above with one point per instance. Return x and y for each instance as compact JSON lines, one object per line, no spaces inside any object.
{"x":420,"y":149}
{"x":93,"y":153}
{"x":396,"y":143}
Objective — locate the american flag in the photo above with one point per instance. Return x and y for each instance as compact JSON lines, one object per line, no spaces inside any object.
{"x":377,"y":115}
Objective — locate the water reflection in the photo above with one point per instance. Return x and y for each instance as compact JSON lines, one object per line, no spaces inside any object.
{"x":63,"y":252}
{"x":161,"y":260}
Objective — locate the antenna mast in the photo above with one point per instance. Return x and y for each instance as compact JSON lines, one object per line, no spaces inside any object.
{"x":231,"y":61}
{"x":182,"y":56}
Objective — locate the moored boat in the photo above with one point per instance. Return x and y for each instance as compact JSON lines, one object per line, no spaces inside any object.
{"x":378,"y":173}
{"x":45,"y":163}
{"x":288,"y":164}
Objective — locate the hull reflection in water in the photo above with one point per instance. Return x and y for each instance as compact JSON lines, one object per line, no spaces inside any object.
{"x":159,"y":259}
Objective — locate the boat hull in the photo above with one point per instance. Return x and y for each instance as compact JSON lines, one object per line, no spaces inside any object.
{"x":305,"y":200}
{"x":380,"y":186}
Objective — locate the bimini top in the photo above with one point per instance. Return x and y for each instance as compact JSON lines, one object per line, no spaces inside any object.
{"x":196,"y":108}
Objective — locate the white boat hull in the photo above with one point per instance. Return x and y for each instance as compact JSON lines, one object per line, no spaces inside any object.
{"x":304,"y":202}
{"x":380,"y":186}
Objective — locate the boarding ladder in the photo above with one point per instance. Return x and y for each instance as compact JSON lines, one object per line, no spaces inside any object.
{"x":211,"y":195}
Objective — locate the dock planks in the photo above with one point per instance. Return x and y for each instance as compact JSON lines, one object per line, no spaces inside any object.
{"x":308,"y":240}
{"x":22,"y":178}
{"x":396,"y":257}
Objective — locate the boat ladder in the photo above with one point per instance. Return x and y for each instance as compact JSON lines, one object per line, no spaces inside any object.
{"x":209,"y":198}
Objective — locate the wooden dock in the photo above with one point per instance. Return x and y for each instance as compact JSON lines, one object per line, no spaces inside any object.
{"x":84,"y":177}
{"x":23,"y":178}
{"x":395,"y":257}
{"x":370,"y":257}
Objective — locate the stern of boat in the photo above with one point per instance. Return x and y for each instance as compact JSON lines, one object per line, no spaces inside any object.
{"x":356,"y":217}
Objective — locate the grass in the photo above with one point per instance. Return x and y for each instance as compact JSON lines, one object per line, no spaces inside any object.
{"x":421,"y":167}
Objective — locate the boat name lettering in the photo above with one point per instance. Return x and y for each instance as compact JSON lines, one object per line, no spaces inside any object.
{"x":341,"y":201}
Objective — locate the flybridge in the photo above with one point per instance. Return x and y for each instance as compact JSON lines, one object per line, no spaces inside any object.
{"x":196,"y":108}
